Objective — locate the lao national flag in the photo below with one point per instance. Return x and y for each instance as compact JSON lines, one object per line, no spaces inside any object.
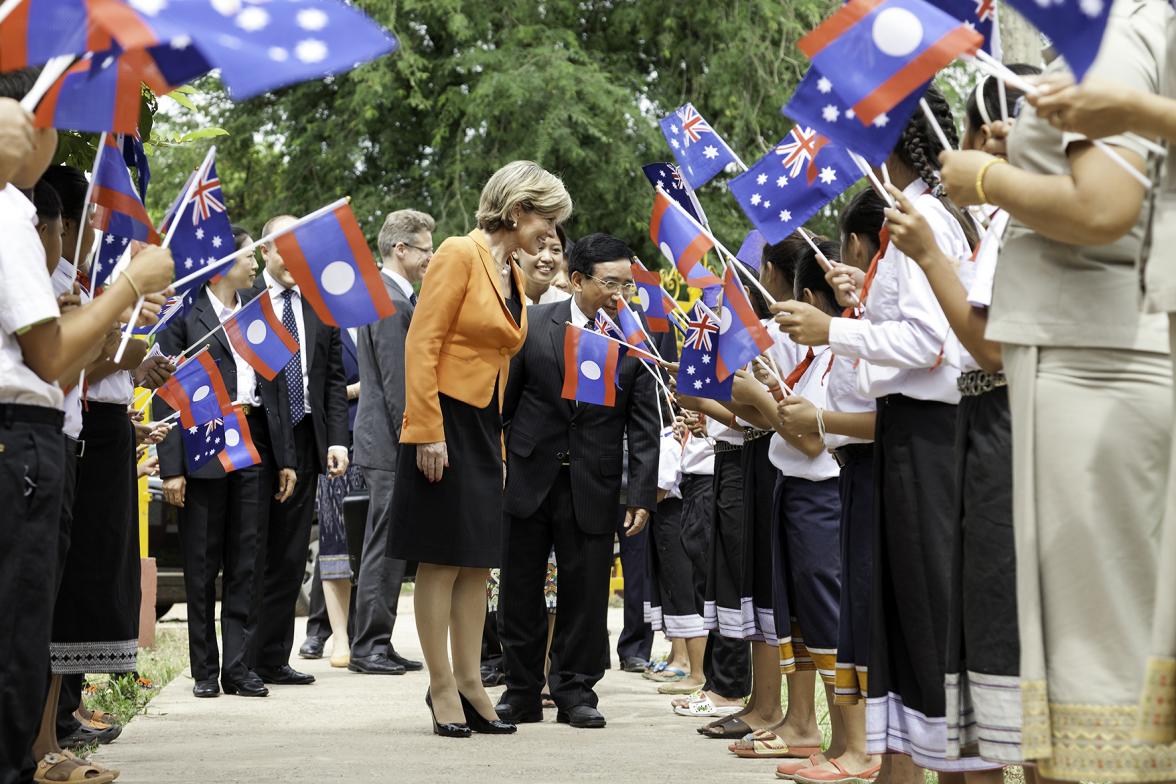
{"x":196,"y":390}
{"x":801,"y":174}
{"x":681,"y":240}
{"x":1075,"y":27}
{"x":817,"y":105}
{"x":980,"y":14}
{"x":334,"y":268}
{"x":590,"y":367}
{"x":878,"y":52}
{"x":110,"y":249}
{"x":258,"y":46}
{"x":631,"y":329}
{"x":257,"y":334}
{"x":203,"y":233}
{"x":38,"y":30}
{"x":98,"y":93}
{"x":669,"y":178}
{"x":203,"y":442}
{"x":700,"y":151}
{"x":742,"y":336}
{"x":136,"y":158}
{"x":239,"y":451}
{"x":698,"y":364}
{"x":121,"y":211}
{"x":651,"y":297}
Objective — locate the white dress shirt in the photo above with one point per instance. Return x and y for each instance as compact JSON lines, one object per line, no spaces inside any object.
{"x":400,"y":281}
{"x":551,"y":295}
{"x":669,"y":464}
{"x":275,"y":292}
{"x":790,"y":461}
{"x":842,"y":395}
{"x":901,"y":336}
{"x":246,"y":376}
{"x":698,"y":456}
{"x":63,"y":280}
{"x":26,"y":300}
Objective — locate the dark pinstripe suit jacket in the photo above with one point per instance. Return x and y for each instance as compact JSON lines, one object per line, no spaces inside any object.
{"x":541,"y":425}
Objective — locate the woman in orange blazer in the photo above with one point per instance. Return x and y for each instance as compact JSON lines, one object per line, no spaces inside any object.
{"x":447,"y":507}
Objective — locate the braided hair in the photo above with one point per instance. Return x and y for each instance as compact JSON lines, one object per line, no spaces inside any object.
{"x":919,"y":148}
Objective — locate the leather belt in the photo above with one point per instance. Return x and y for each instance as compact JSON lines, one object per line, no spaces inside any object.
{"x":564,"y":458}
{"x":754,"y":434}
{"x":77,"y":444}
{"x":979,"y":382}
{"x":844,"y":455}
{"x":722,"y":447}
{"x":33,"y":415}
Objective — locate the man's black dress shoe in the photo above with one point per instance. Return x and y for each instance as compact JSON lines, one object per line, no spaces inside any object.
{"x":284,"y":676}
{"x":485,"y":726}
{"x":445,"y":730}
{"x":411,"y":665}
{"x":312,"y":648}
{"x":376,"y":664}
{"x":492,"y":676}
{"x":249,"y":686}
{"x":581,"y":717}
{"x":513,"y":714}
{"x":633,"y":664}
{"x":206,"y":688}
{"x":84,"y":736}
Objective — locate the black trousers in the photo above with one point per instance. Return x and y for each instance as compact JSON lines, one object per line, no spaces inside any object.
{"x":579,"y":647}
{"x":636,"y":640}
{"x":31,"y":476}
{"x":726,"y":665}
{"x":219,"y":526}
{"x":377,"y":591}
{"x":281,"y":562}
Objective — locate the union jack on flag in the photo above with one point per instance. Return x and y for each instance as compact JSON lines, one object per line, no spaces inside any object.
{"x":798,"y":149}
{"x":698,"y":333}
{"x":206,"y":198}
{"x":606,"y":326}
{"x":985,"y":10}
{"x":693,"y":124}
{"x":207,"y":236}
{"x":699,"y":159}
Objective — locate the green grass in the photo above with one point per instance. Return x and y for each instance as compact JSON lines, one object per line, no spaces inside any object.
{"x":126,"y":698}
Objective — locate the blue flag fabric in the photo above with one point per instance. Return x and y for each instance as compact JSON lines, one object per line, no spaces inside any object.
{"x":801,"y":174}
{"x":981,"y":15}
{"x":590,"y":367}
{"x":203,"y":443}
{"x":1075,"y":27}
{"x":817,"y":104}
{"x":110,"y":250}
{"x":698,"y":364}
{"x":669,"y":177}
{"x":701,"y":153}
{"x":135,"y":158}
{"x":203,"y":232}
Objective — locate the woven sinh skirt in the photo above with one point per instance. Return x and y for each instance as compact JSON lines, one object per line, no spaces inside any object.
{"x":914,"y":476}
{"x":856,"y":486}
{"x":677,"y":550}
{"x":96,"y":620}
{"x":333,"y":558}
{"x":1091,"y":454}
{"x":723,"y":608}
{"x":983,"y":694}
{"x":457,"y":521}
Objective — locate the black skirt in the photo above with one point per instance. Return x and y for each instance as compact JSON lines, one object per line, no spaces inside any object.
{"x":857,"y":574}
{"x":677,"y":560}
{"x":725,"y":566}
{"x":96,"y":621}
{"x":457,"y":521}
{"x":758,"y":597}
{"x":983,"y":644}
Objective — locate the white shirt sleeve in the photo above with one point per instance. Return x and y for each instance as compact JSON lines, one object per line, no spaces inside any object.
{"x":669,"y":464}
{"x":27,"y":298}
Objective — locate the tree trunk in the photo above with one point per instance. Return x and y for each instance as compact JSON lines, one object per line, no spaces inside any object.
{"x":1019,"y":40}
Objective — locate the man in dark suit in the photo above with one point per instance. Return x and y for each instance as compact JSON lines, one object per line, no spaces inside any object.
{"x":220,"y":514}
{"x":310,"y":398}
{"x":564,"y":465}
{"x":406,"y":245}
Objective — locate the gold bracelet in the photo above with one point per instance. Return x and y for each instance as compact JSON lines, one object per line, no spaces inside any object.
{"x":134,"y":286}
{"x":980,"y":178}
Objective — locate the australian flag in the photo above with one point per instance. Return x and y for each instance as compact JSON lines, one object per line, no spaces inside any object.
{"x":698,"y":364}
{"x":669,"y":177}
{"x":1075,"y":27}
{"x":700,"y":151}
{"x":817,"y":105}
{"x":980,"y":15}
{"x":203,"y":443}
{"x":110,"y":249}
{"x":203,"y":233}
{"x":801,"y":174}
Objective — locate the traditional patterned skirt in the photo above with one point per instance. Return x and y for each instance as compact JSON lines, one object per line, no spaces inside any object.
{"x":856,"y":486}
{"x":334,"y":560}
{"x":723,"y":608}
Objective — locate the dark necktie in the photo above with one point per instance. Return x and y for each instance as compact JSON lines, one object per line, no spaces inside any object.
{"x":293,"y":369}
{"x":413,"y":298}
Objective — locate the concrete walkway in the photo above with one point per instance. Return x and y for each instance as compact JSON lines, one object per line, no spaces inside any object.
{"x":363,"y":728}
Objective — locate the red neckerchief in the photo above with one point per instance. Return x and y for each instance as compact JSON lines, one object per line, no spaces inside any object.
{"x":798,"y":371}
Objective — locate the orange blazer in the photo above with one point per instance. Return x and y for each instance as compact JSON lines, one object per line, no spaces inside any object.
{"x":461,"y":337}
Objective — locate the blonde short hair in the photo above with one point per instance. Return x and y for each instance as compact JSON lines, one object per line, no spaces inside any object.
{"x":525,"y":184}
{"x":402,"y":226}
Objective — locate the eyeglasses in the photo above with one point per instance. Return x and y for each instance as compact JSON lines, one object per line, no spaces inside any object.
{"x":426,"y":251}
{"x":615,"y":286}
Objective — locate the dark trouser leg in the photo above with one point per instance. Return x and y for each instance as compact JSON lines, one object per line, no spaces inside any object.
{"x":636,"y":638}
{"x":247,"y":509}
{"x":31,"y":466}
{"x":67,"y":703}
{"x":727,"y":666}
{"x":202,"y":524}
{"x":317,"y":623}
{"x":522,"y":614}
{"x":377,"y":592}
{"x":286,"y":543}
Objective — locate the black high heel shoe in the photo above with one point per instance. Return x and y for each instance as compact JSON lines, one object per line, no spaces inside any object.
{"x":477,"y":723}
{"x":445,"y":730}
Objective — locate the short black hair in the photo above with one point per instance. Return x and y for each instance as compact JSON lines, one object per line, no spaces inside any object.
{"x":16,"y":84}
{"x":810,"y":273}
{"x":70,"y":184}
{"x":239,"y":235}
{"x":47,"y":202}
{"x":596,"y":249}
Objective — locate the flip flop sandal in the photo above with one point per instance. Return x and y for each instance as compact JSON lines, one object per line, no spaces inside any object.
{"x":706,"y":709}
{"x":56,"y":768}
{"x":733,"y":727}
{"x":654,"y":669}
{"x":745,"y":741}
{"x":821,"y":775}
{"x":772,"y":746}
{"x":788,"y":770}
{"x":676,"y":688}
{"x":669,"y":675}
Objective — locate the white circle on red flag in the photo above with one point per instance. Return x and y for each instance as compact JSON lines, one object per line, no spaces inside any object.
{"x":669,"y":254}
{"x":590,"y":370}
{"x":232,"y":437}
{"x":897,"y":32}
{"x":256,"y":332}
{"x":643,"y":299}
{"x":338,"y":277}
{"x":725,"y":320}
{"x":200,"y":394}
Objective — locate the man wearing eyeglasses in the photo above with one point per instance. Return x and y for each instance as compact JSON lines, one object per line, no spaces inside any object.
{"x":564,"y":467}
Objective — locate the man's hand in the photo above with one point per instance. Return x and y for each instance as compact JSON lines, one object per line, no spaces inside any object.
{"x":16,"y":138}
{"x":635,"y":520}
{"x":337,"y":461}
{"x":432,"y":460}
{"x":134,"y":355}
{"x":153,"y":372}
{"x":148,"y":467}
{"x":173,"y":490}
{"x":805,"y":324}
{"x":287,"y":478}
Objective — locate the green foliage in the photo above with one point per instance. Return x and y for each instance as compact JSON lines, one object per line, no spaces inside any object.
{"x":577,"y":86}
